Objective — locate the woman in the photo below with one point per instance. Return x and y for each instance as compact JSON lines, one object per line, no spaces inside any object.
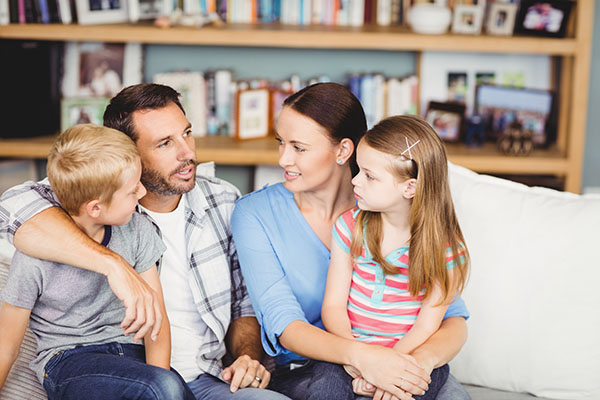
{"x":282,"y":234}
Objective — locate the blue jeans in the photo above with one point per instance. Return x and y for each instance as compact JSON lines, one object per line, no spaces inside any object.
{"x":207,"y":387}
{"x":110,"y":371}
{"x":322,"y":380}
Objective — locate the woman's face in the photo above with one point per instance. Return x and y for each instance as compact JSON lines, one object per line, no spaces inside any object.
{"x":305,"y":152}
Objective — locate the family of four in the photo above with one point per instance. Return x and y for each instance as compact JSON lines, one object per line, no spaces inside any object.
{"x":316,"y":269}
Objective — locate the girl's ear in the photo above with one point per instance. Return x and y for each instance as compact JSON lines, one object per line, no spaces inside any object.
{"x":410,"y":188}
{"x":92,"y":208}
{"x":345,"y":150}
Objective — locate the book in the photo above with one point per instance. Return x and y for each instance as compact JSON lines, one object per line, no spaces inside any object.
{"x":4,"y":13}
{"x":384,"y":12}
{"x":64,"y":10}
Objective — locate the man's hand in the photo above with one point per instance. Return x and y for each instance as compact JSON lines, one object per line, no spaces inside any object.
{"x":142,"y":308}
{"x":246,"y":372}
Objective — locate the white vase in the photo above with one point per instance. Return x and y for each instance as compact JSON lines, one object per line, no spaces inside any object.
{"x":429,"y":18}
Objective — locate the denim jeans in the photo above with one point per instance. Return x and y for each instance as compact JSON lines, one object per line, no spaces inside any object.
{"x":207,"y":387}
{"x":322,"y":380}
{"x":110,"y":371}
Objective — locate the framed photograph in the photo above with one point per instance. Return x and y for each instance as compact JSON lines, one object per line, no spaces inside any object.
{"x":101,"y":11}
{"x":457,"y":87}
{"x":446,"y":119}
{"x":82,"y":110}
{"x":501,"y":106}
{"x":501,"y":18}
{"x":252,"y":113}
{"x":467,"y":19}
{"x":192,"y":88}
{"x":145,"y":9}
{"x":277,"y":98}
{"x":100,"y":69}
{"x":543,"y":17}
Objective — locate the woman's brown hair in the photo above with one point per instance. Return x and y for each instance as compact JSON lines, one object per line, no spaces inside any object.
{"x":433,"y":223}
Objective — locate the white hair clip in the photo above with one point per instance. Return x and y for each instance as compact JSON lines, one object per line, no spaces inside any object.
{"x":408,"y":147}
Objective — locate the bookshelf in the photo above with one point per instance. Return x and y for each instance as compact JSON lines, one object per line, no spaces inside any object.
{"x":572,"y":55}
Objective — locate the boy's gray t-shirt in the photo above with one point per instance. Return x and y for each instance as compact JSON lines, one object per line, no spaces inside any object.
{"x":72,"y":306}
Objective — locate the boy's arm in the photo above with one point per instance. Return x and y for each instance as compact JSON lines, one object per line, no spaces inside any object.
{"x":158,"y":351}
{"x":52,"y":235}
{"x":13,"y":322}
{"x":334,"y":312}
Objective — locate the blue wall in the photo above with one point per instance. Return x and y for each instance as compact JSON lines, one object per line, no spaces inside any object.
{"x":591,"y":164}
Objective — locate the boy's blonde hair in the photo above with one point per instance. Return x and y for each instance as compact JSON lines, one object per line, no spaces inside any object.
{"x":433,"y":223}
{"x":86,"y":163}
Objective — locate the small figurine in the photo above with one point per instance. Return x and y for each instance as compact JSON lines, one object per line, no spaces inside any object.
{"x":515,"y":141}
{"x":475,"y":135}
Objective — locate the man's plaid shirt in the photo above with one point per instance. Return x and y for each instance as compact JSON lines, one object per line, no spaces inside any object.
{"x":215,"y":276}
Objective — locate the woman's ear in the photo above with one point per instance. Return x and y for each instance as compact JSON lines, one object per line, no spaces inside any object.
{"x":410,"y":188}
{"x":345,"y":150}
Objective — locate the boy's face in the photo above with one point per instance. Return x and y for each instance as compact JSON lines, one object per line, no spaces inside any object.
{"x":125,"y":199}
{"x":167,"y":150}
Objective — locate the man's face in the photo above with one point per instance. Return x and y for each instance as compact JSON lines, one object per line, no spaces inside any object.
{"x":167,"y":150}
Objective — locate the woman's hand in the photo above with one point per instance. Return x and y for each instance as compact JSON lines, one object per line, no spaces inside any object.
{"x":383,"y":395}
{"x":390,"y":371}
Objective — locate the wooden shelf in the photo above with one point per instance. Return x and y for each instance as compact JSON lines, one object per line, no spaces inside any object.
{"x":228,"y":151}
{"x":275,"y":35}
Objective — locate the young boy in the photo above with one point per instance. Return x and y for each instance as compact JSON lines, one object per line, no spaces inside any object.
{"x":82,"y":352}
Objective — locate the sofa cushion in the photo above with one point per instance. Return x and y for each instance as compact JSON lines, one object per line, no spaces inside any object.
{"x":21,"y":382}
{"x":533,"y":288}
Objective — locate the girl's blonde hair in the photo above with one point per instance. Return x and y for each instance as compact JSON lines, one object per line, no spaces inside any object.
{"x":433,"y":223}
{"x":86,"y":163}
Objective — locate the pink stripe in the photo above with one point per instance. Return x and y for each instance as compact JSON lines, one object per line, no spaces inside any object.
{"x":391,"y":312}
{"x":363,"y":322}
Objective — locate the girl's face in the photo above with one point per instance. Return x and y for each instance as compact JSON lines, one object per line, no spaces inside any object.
{"x":375,"y":187}
{"x":305,"y":152}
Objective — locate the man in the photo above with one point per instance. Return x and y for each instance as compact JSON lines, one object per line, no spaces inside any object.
{"x":205,"y":297}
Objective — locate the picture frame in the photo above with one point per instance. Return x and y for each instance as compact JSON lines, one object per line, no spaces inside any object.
{"x":446,"y":119}
{"x":82,"y":110}
{"x":467,"y":19}
{"x":499,"y":106}
{"x":101,"y":11}
{"x":278,"y":96}
{"x":192,"y":88}
{"x":252,"y":113}
{"x":100,"y":69}
{"x":145,"y":9}
{"x":501,"y":19}
{"x":543,"y":17}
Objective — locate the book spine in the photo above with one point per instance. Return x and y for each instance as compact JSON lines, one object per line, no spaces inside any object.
{"x":4,"y":13}
{"x":212,"y":122}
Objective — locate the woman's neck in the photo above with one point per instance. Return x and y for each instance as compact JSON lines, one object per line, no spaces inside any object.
{"x":330,"y":201}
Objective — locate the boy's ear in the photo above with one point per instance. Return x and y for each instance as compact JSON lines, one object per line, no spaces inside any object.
{"x":410,"y":188}
{"x":345,"y":150}
{"x":92,"y":208}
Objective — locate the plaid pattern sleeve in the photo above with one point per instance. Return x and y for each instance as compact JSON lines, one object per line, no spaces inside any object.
{"x":22,"y":202}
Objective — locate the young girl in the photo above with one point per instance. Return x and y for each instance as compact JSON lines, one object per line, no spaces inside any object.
{"x":373,"y":293}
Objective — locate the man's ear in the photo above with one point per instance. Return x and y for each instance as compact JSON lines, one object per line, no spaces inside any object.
{"x":345,"y":150}
{"x":92,"y":208}
{"x":410,"y":188}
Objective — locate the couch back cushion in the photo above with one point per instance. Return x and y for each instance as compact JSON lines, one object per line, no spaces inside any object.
{"x":21,"y":382}
{"x":534,"y":287}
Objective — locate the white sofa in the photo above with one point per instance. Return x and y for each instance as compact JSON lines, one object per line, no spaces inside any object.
{"x":533,"y":293}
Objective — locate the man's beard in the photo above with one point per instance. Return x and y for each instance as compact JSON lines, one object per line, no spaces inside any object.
{"x":154,"y":182}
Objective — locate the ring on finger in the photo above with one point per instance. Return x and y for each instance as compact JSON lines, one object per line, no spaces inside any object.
{"x":258,"y":379}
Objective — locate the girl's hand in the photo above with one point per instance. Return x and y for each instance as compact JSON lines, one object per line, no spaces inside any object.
{"x":391,"y":371}
{"x":362,"y":387}
{"x":383,"y":395}
{"x":353,"y":372}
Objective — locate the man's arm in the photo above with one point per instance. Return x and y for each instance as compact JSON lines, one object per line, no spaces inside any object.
{"x":52,"y":235}
{"x":13,"y":322}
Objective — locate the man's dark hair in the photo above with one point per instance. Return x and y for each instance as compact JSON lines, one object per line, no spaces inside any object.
{"x":336,"y":109}
{"x":144,"y":96}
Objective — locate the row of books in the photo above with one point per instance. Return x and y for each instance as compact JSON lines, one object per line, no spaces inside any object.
{"x":314,"y":12}
{"x":35,"y":11}
{"x":210,"y":98}
{"x":293,"y":12}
